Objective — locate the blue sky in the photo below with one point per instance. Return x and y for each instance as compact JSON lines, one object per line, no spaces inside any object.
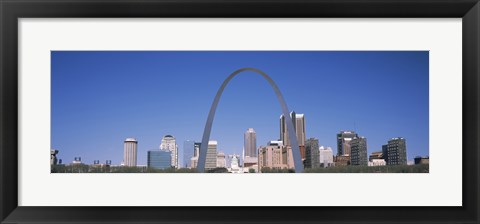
{"x":100,"y":98}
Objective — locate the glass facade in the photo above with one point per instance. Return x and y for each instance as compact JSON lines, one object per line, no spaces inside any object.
{"x":188,"y":152}
{"x":159,"y":159}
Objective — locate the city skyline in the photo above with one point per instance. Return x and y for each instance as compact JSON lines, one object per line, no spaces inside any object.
{"x":186,"y":113}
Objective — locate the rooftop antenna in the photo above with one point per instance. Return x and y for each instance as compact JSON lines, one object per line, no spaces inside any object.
{"x":355,"y":127}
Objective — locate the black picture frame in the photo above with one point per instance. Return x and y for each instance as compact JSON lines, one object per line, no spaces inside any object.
{"x":12,"y":10}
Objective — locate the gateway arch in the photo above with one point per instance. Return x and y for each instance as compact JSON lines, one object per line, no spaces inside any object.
{"x":297,"y":159}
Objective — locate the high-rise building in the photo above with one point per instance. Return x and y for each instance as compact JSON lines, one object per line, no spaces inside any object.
{"x":299,"y":126}
{"x":53,"y":157}
{"x":188,"y":153}
{"x":221,"y":160}
{"x":397,"y":151}
{"x":326,"y":156}
{"x":197,"y":149}
{"x":169,"y":143}
{"x":130,"y":152}
{"x":159,"y":159}
{"x":312,"y":154}
{"x":211,"y":160}
{"x":358,"y":147}
{"x":343,"y":142}
{"x":250,"y":143}
{"x":385,"y":152}
{"x":194,"y":162}
{"x":275,"y":155}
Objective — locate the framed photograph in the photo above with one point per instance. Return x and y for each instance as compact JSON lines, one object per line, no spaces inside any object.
{"x":239,"y":111}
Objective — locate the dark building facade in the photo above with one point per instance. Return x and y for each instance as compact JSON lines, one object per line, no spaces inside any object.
{"x":397,"y":151}
{"x":312,"y":154}
{"x":421,"y":160}
{"x":159,"y":159}
{"x":197,"y":148}
{"x":385,"y":152}
{"x":343,"y":142}
{"x":358,"y":147}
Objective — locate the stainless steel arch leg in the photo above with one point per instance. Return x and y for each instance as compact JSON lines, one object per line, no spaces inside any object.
{"x":208,"y":126}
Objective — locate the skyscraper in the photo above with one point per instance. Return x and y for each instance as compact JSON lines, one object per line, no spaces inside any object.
{"x":312,"y":154}
{"x":250,"y":143}
{"x":159,"y":159}
{"x":385,"y":152}
{"x":169,"y":143}
{"x":211,"y":160}
{"x":299,"y":126}
{"x":188,"y":153}
{"x":196,"y":152}
{"x":53,"y":157}
{"x":397,"y":151}
{"x":130,"y":152}
{"x":358,"y":156}
{"x":221,"y":161}
{"x":326,"y":156}
{"x":197,"y":148}
{"x":275,"y":155}
{"x":343,"y":142}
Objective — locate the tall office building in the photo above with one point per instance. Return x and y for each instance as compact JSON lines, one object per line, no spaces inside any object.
{"x":312,"y":154}
{"x":188,"y":153}
{"x":397,"y":151}
{"x":275,"y":155}
{"x":159,"y":159}
{"x":193,"y":162}
{"x":53,"y":157}
{"x":326,"y":156}
{"x":130,"y":152}
{"x":343,"y":142}
{"x":299,"y":126}
{"x":385,"y":152}
{"x":197,"y":149}
{"x":169,"y":143}
{"x":358,"y":147}
{"x":250,"y":143}
{"x":211,"y":160}
{"x":221,"y":160}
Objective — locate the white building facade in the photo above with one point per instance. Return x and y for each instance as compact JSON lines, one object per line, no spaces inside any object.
{"x":221,"y":161}
{"x":326,"y":156}
{"x":130,"y":152}
{"x":169,"y":143}
{"x":377,"y":162}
